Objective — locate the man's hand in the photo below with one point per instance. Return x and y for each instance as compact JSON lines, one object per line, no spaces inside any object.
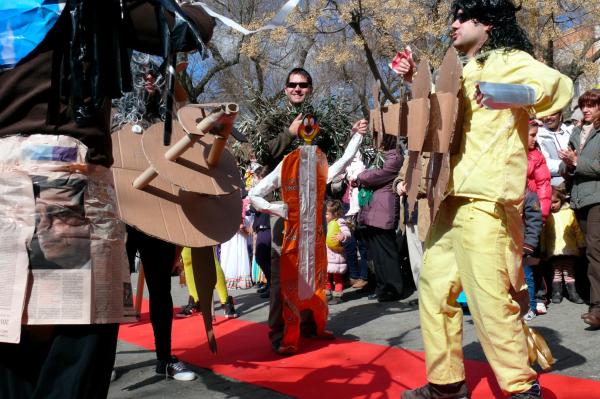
{"x":295,"y":126}
{"x":360,"y":127}
{"x":401,"y":188}
{"x":404,"y":65}
{"x":478,"y":96}
{"x":569,"y":157}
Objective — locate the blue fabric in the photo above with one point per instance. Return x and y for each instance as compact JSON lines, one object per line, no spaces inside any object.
{"x":358,"y":268}
{"x":50,"y":153}
{"x":23,"y":26}
{"x":530,"y":286}
{"x":462,"y":299}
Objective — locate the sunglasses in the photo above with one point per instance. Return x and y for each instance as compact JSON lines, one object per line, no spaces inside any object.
{"x":462,"y":17}
{"x":293,"y":85}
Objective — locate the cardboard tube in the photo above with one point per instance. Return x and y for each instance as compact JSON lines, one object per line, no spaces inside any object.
{"x":145,"y":178}
{"x":189,"y":140}
{"x":225,"y":123}
{"x":181,"y":146}
{"x":202,"y":127}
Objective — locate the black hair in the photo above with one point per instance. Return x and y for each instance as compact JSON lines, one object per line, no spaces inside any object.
{"x":299,"y":71}
{"x":389,"y":142}
{"x":261,"y":172}
{"x":501,"y":15}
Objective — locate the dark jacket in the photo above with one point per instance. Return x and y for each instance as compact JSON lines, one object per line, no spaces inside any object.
{"x":532,"y":219}
{"x":382,"y":211}
{"x":585,"y":178}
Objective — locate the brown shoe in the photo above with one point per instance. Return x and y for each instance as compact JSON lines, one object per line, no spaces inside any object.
{"x":360,"y":283}
{"x":457,"y":390}
{"x":593,"y":319}
{"x":584,"y":315}
{"x":353,"y":281}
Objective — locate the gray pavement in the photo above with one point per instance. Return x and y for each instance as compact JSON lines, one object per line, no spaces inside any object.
{"x":576,"y":348}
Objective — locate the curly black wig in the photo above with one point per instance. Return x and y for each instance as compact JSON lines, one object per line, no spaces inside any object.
{"x":501,"y":15}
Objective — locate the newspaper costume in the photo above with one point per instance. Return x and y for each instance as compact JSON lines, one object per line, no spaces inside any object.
{"x":302,"y":176}
{"x":64,"y":258}
{"x":60,"y":223}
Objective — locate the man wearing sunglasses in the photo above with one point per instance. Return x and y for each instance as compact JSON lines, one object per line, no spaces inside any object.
{"x":476,"y":242}
{"x":298,"y":88}
{"x":284,"y":139}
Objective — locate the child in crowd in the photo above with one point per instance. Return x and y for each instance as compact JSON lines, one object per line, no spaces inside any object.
{"x":262,"y":248}
{"x":337,"y":234}
{"x":193,"y":306}
{"x":563,"y":241}
{"x":538,"y":174}
{"x":235,"y":258}
{"x":538,"y":181}
{"x":532,"y":220}
{"x":358,"y":267}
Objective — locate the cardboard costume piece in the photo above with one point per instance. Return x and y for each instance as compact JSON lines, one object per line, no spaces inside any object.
{"x":302,"y":176}
{"x":432,"y":123}
{"x":175,"y":192}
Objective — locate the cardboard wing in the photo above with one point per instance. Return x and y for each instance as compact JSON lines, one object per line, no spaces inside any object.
{"x":388,"y":118}
{"x":445,"y":127}
{"x":417,"y":121}
{"x":446,"y":106}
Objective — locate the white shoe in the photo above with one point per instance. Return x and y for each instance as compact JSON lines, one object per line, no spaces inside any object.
{"x":540,"y":308}
{"x":176,"y":370}
{"x":529,"y":315}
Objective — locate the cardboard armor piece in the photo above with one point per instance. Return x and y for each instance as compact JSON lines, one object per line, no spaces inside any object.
{"x":431,"y":122}
{"x":186,"y":193}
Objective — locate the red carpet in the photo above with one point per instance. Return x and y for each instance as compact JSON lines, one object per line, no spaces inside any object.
{"x":331,"y":369}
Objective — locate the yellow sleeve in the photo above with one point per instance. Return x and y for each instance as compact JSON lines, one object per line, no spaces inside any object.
{"x":553,"y":90}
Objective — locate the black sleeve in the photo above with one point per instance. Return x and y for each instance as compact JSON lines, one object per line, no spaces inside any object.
{"x":532,"y":217}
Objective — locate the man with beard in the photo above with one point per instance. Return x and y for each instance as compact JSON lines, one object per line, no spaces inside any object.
{"x":476,"y":242}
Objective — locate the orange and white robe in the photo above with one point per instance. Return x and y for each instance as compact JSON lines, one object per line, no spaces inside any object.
{"x":302,"y":176}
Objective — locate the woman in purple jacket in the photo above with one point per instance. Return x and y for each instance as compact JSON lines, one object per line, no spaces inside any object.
{"x":378,"y":222}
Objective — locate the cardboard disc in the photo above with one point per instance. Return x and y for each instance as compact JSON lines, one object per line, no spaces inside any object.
{"x":164,"y":210}
{"x":189,"y":116}
{"x":191,"y":170}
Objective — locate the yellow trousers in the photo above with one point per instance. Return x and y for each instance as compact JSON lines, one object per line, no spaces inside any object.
{"x":472,"y":247}
{"x":221,"y":287}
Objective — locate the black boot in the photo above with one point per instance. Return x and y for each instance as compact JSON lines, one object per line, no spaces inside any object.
{"x":573,"y":295}
{"x":557,"y":296}
{"x":457,"y":390}
{"x":229,"y":308}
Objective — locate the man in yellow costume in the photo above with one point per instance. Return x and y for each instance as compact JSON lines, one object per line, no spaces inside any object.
{"x":475,"y":243}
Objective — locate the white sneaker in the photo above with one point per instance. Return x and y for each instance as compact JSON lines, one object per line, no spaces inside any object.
{"x":175,"y":369}
{"x":529,"y":315}
{"x":540,"y":308}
